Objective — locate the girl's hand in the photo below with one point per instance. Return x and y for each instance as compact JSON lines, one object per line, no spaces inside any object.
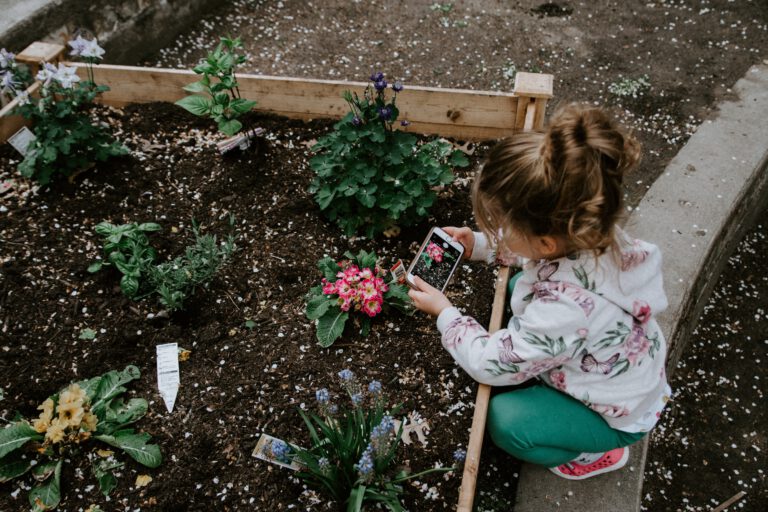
{"x":465,"y":237}
{"x":428,"y":298}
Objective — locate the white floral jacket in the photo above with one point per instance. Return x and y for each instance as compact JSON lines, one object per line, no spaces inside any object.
{"x":584,"y":325}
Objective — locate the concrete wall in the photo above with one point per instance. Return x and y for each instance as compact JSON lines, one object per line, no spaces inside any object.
{"x":127,"y":29}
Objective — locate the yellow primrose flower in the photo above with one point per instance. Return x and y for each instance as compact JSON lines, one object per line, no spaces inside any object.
{"x":55,"y":433}
{"x":71,"y":414}
{"x":41,"y":424}
{"x":89,"y":421}
{"x":72,"y":394}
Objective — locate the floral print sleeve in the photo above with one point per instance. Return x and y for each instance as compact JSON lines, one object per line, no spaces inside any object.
{"x":544,"y":337}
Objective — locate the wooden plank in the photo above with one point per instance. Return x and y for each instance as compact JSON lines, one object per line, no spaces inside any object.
{"x":10,"y":124}
{"x":522,"y":108}
{"x":477,"y":433}
{"x":538,"y":118}
{"x":39,"y":52}
{"x":458,"y":113}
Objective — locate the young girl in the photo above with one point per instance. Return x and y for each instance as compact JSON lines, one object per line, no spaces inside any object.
{"x":583,"y":307}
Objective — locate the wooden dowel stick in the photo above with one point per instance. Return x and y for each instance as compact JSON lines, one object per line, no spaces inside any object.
{"x":477,"y":433}
{"x":733,"y":499}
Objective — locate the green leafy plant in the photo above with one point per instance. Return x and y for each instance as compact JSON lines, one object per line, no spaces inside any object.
{"x":354,"y":285}
{"x":127,"y":247}
{"x":67,"y":139}
{"x":370,"y":176}
{"x":354,"y":449}
{"x":176,"y":280}
{"x":70,"y":422}
{"x":224,"y":103}
{"x":627,"y":87}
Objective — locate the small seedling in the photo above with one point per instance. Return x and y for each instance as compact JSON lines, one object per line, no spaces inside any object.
{"x":250,"y":324}
{"x":627,"y":87}
{"x":87,"y":334}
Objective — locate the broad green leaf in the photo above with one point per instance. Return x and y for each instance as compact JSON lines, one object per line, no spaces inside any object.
{"x":317,"y":306}
{"x":241,"y":106}
{"x":149,"y":226}
{"x":330,"y":326}
{"x":47,"y":496}
{"x":104,"y":228}
{"x":122,"y":413}
{"x":458,"y":159}
{"x":41,"y":472}
{"x":366,"y":259}
{"x":15,"y":436}
{"x":198,"y":86}
{"x":230,"y":126}
{"x":324,"y":197}
{"x":111,"y":385}
{"x":197,"y":105}
{"x":329,"y":268}
{"x":95,"y":266}
{"x":135,"y":445}
{"x":129,"y":285}
{"x":397,"y":291}
{"x":13,"y":466}
{"x":103,"y":470}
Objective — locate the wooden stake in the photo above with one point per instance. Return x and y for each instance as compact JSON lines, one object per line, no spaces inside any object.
{"x":475,"y":445}
{"x":529,"y":118}
{"x":733,"y":499}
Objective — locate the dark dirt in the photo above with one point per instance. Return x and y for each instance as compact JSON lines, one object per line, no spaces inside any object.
{"x":238,"y":382}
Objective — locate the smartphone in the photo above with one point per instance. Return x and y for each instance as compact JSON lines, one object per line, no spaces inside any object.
{"x":437,"y":259}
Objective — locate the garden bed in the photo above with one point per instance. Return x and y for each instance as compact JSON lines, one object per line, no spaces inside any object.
{"x":240,"y":380}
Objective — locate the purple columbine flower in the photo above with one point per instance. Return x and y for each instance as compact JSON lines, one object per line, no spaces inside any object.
{"x":346,"y":375}
{"x":380,"y":85}
{"x":404,"y":123}
{"x":78,"y":44}
{"x":8,"y":83}
{"x":7,"y":59}
{"x":385,"y":113}
{"x":356,"y":121}
{"x":377,"y":76}
{"x":397,"y":86}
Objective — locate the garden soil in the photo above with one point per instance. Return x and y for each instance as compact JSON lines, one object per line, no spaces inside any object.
{"x":240,"y":382}
{"x":241,"y":379}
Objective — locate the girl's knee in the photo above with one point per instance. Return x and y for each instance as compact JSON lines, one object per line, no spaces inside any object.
{"x":506,"y":422}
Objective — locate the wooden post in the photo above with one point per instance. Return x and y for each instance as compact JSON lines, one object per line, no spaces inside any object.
{"x":533,"y":91}
{"x":39,"y":52}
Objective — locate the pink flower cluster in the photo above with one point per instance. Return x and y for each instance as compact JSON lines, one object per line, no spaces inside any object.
{"x":435,"y":252}
{"x":358,"y":289}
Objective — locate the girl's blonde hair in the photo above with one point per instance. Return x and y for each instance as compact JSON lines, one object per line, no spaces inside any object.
{"x":565,"y":181}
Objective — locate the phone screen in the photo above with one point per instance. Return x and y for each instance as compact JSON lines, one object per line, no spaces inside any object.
{"x":436,"y":262}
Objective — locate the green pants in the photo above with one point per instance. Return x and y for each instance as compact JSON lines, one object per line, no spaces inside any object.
{"x":541,"y":425}
{"x":544,"y":426}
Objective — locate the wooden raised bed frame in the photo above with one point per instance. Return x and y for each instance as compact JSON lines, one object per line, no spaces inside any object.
{"x":457,"y":113}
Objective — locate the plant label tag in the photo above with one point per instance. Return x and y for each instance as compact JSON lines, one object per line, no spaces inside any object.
{"x":168,"y":377}
{"x":398,"y":272}
{"x":264,"y":451}
{"x":21,"y":140}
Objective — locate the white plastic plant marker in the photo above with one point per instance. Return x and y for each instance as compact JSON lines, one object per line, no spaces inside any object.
{"x":168,"y":377}
{"x":263,"y":452}
{"x":21,"y":140}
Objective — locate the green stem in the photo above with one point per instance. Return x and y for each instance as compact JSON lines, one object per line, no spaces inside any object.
{"x":425,"y":472}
